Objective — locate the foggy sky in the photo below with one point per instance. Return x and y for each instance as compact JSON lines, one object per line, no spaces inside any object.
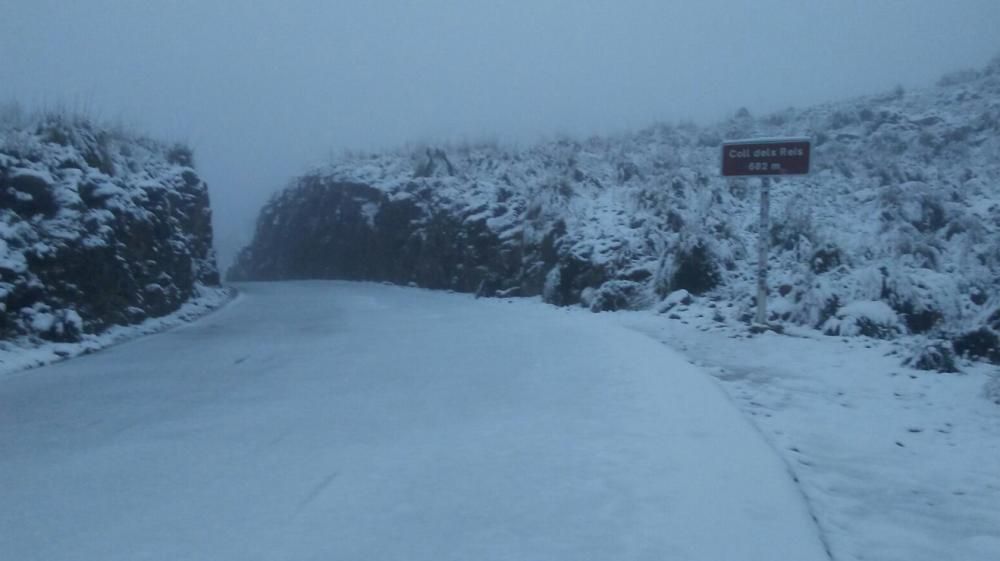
{"x":263,"y":89}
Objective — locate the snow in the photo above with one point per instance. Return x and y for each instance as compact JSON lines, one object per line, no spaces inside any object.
{"x":16,"y":356}
{"x":11,"y":260}
{"x":109,"y":190}
{"x":898,"y":464}
{"x":329,"y":420}
{"x":41,"y":175}
{"x":675,"y":298}
{"x":369,"y":211}
{"x":42,"y":321}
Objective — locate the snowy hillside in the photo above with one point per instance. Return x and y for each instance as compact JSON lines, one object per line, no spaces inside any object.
{"x":895,"y":232}
{"x":98,"y":227}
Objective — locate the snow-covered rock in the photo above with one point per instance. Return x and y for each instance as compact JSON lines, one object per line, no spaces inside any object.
{"x":901,"y":209}
{"x":90,"y":219}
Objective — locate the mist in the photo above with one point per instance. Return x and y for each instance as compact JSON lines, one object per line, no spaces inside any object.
{"x":263,"y":90}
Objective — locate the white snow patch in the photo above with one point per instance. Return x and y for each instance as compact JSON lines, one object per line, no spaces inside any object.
{"x":369,"y":211}
{"x":897,"y":464}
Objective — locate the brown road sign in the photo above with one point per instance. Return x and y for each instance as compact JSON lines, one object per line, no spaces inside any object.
{"x":766,"y":156}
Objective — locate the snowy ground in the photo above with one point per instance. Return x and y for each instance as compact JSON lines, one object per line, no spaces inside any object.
{"x":20,"y":355}
{"x":346,"y":421}
{"x":898,"y":464}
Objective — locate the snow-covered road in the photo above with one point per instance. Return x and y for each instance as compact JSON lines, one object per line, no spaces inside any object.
{"x":338,"y":421}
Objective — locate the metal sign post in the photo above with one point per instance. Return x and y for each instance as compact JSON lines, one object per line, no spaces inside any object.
{"x":765,"y":157}
{"x":763,"y":248}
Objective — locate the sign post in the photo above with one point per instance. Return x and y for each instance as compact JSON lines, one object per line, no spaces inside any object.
{"x":763,"y":248}
{"x":764,"y":158}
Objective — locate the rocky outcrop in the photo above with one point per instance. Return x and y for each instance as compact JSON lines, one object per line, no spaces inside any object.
{"x":324,"y":228}
{"x":97,"y":228}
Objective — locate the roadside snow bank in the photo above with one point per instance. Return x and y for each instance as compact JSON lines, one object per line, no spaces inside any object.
{"x":898,"y":464}
{"x":20,"y":355}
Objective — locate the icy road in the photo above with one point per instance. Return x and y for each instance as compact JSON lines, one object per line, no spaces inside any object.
{"x":338,"y":421}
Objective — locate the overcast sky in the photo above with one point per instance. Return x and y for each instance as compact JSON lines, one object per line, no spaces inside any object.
{"x":264,"y":88}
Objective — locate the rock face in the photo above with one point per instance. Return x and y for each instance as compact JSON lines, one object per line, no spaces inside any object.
{"x":97,"y":228}
{"x":898,"y":219}
{"x":324,"y":228}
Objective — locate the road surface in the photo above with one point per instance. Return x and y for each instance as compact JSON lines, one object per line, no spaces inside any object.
{"x":340,"y":421}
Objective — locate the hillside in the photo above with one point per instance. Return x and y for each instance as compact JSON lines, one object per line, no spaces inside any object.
{"x":895,"y":232}
{"x":98,"y":227}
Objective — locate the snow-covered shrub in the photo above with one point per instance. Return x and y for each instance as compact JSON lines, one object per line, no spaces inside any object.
{"x":181,"y":155}
{"x":553,"y":280}
{"x":923,"y":298}
{"x":793,"y":227}
{"x":991,"y":390}
{"x":825,"y":259}
{"x":870,"y":319}
{"x":619,"y":295}
{"x":916,"y":203}
{"x":693,"y":268}
{"x":982,"y":343}
{"x":676,"y":298}
{"x":62,"y":326}
{"x":937,"y":356}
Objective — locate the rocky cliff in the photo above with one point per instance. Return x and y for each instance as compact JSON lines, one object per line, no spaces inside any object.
{"x":98,"y":227}
{"x":896,"y":231}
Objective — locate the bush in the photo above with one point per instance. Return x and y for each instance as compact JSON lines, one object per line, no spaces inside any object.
{"x":991,"y":390}
{"x":937,"y":357}
{"x":982,"y":343}
{"x":695,"y":270}
{"x":618,"y":295}
{"x":867,"y":318}
{"x":826,"y":259}
{"x":180,"y":155}
{"x":61,"y":326}
{"x":674,"y":299}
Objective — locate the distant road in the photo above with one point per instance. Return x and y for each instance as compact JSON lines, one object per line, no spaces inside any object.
{"x":338,"y":421}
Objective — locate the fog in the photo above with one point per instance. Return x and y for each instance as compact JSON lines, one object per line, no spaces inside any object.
{"x":264,"y":89}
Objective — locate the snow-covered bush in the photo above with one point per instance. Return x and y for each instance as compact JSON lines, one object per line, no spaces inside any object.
{"x":64,"y":326}
{"x":991,"y":390}
{"x":870,"y":319}
{"x":619,"y":295}
{"x":692,"y":267}
{"x":936,"y":356}
{"x":982,"y":343}
{"x":553,"y":280}
{"x":677,"y":298}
